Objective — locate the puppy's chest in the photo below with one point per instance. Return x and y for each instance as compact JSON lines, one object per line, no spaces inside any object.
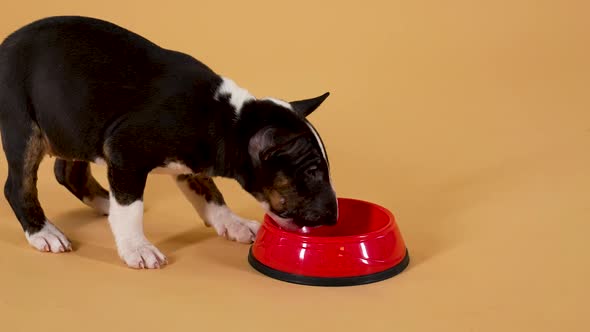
{"x":173,"y":168}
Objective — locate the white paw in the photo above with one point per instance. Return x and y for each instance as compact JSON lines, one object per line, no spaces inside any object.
{"x":235,"y":228}
{"x":142,"y":255}
{"x":49,"y":239}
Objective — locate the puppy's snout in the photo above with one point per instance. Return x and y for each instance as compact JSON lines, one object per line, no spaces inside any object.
{"x":331,"y":220}
{"x":320,"y":213}
{"x":332,"y":213}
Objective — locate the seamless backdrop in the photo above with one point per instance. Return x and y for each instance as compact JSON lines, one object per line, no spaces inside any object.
{"x":468,"y":119}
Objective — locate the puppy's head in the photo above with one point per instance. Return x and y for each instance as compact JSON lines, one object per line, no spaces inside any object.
{"x":290,"y":172}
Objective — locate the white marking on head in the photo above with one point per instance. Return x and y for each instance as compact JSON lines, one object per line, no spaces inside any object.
{"x":315,"y":134}
{"x":323,"y":149}
{"x":318,"y":139}
{"x":280,"y":102}
{"x":238,"y":96}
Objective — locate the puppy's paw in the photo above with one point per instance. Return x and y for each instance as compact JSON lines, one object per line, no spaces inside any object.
{"x":235,"y":228}
{"x":142,"y":255}
{"x":49,"y":239}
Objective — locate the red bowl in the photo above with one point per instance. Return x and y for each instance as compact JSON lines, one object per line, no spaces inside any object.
{"x":364,"y":246}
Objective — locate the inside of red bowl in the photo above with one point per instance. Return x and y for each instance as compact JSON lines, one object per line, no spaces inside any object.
{"x":354,"y":218}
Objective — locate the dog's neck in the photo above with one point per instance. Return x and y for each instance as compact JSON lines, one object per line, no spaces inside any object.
{"x":241,"y":115}
{"x":231,"y":159}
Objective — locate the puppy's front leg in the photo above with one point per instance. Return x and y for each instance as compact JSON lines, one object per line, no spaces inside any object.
{"x":126,"y":219}
{"x":208,"y":201}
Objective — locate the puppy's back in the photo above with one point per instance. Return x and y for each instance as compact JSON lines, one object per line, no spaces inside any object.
{"x":78,"y":75}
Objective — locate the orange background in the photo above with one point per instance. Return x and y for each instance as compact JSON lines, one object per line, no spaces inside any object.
{"x":470,"y":120}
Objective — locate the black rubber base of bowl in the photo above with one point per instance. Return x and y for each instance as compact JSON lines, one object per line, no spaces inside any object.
{"x":328,"y":282}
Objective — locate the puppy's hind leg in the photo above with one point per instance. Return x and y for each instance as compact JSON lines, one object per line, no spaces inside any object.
{"x":77,"y":178}
{"x":208,"y":201}
{"x":24,"y":148}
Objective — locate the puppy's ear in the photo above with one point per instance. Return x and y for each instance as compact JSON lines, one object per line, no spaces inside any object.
{"x":307,"y":106}
{"x":261,"y":141}
{"x":268,"y":141}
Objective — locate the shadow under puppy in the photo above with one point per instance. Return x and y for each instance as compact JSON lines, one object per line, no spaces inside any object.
{"x":85,"y":90}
